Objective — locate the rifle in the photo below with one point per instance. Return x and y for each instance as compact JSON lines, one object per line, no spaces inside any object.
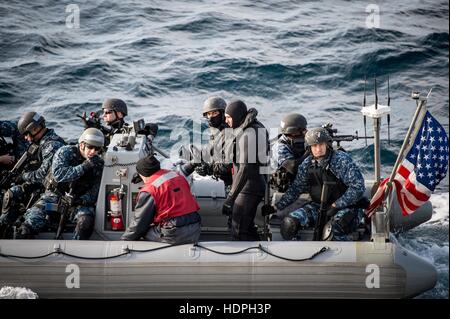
{"x":322,"y":218}
{"x":342,"y":138}
{"x":94,"y":121}
{"x":9,"y":177}
{"x":64,"y":206}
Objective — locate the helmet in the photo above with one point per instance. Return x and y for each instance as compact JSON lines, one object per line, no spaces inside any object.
{"x":214,"y":103}
{"x":115,"y":105}
{"x":92,"y":136}
{"x":293,"y":123}
{"x":30,"y":121}
{"x":317,"y":136}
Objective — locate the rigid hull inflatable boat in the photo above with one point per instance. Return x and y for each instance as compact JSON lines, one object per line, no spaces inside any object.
{"x":374,"y":266}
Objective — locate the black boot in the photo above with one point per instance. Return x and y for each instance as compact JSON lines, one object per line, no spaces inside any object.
{"x":289,"y":227}
{"x":24,"y":232}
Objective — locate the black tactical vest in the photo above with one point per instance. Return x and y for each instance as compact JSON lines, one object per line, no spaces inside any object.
{"x":79,"y":186}
{"x":317,"y":175}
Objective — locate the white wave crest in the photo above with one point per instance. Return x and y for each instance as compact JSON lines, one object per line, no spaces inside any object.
{"x":8,"y":292}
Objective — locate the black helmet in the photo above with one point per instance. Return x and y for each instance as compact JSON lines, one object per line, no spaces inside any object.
{"x":30,"y":121}
{"x":115,"y":105}
{"x":293,"y":123}
{"x":214,"y":103}
{"x":317,"y":136}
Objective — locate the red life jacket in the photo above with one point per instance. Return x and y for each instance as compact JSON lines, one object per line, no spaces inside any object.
{"x":171,"y":193}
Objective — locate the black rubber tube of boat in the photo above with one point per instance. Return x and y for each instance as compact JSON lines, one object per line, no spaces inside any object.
{"x":127,"y":251}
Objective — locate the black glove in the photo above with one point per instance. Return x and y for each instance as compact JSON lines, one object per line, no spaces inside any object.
{"x":18,"y":179}
{"x":332,"y":211}
{"x":78,"y":202}
{"x":204,"y":169}
{"x":93,"y":162}
{"x":136,"y":178}
{"x":227,"y":208}
{"x":267,"y":209}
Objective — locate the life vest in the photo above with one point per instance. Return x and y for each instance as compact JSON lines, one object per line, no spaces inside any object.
{"x":317,"y":175}
{"x":172,"y":195}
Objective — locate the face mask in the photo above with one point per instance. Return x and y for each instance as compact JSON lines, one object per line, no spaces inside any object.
{"x":215,"y":121}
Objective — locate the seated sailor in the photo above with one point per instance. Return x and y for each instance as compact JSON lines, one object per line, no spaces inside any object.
{"x":28,"y":180}
{"x":345,"y":194}
{"x":71,"y":188}
{"x":166,"y":210}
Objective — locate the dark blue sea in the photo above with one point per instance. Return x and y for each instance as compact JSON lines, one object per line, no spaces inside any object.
{"x":164,"y":58}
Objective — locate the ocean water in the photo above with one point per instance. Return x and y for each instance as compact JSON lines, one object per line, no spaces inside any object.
{"x":164,"y":58}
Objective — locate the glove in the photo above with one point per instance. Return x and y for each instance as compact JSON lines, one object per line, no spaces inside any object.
{"x":204,"y":169}
{"x":18,"y":179}
{"x":332,"y":211}
{"x":93,"y":162}
{"x":267,"y":209}
{"x":136,"y":178}
{"x":227,"y":208}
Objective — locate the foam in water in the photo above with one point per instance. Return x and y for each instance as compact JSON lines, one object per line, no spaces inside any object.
{"x":430,"y":241}
{"x":8,"y":292}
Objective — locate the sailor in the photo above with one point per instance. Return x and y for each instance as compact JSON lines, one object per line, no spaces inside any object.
{"x":346,"y":195}
{"x":75,"y":174}
{"x":247,"y":148}
{"x":114,"y":112}
{"x":166,"y":211}
{"x":12,"y":144}
{"x":289,"y":150}
{"x":213,"y":163}
{"x":32,"y":127}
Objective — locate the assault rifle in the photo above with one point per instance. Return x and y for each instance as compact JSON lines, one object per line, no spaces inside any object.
{"x":65,"y":204}
{"x":342,"y":138}
{"x":322,"y":217}
{"x":10,"y":177}
{"x":93,"y":120}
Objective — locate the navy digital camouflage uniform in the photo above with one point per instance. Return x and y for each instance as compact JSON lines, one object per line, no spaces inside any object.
{"x":48,"y":145}
{"x":281,"y":152}
{"x":9,"y":129}
{"x":67,"y":167}
{"x":343,"y":167}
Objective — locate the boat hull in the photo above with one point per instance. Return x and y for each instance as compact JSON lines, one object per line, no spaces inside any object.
{"x":345,"y":270}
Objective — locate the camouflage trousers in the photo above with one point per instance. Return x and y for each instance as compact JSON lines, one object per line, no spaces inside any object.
{"x":39,"y":216}
{"x":10,"y":216}
{"x":343,"y":223}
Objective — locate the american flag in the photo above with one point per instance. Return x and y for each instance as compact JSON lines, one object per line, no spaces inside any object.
{"x":423,"y":167}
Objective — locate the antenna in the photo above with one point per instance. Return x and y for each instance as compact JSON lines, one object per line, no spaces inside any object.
{"x":376,"y":95}
{"x":389,"y":115}
{"x":364,"y":105}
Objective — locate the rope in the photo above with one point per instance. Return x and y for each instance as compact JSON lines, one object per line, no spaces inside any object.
{"x":128,"y":251}
{"x":121,"y":164}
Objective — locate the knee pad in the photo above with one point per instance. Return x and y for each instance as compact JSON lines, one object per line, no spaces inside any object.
{"x":8,"y":200}
{"x":289,"y":227}
{"x":84,"y":227}
{"x":345,"y":222}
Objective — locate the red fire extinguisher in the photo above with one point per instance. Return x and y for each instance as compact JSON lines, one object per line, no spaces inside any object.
{"x":115,"y":206}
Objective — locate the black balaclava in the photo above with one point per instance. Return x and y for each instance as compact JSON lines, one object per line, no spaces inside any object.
{"x":238,"y":111}
{"x":148,"y":166}
{"x":217,"y":120}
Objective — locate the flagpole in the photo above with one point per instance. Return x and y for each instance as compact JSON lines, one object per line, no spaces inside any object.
{"x":418,"y":115}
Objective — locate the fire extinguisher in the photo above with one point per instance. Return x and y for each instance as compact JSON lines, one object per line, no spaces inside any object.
{"x":115,"y":206}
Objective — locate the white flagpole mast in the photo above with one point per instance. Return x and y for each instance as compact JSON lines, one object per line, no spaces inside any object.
{"x":409,"y":139}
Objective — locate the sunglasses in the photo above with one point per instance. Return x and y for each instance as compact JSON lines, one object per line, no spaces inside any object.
{"x":92,"y":147}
